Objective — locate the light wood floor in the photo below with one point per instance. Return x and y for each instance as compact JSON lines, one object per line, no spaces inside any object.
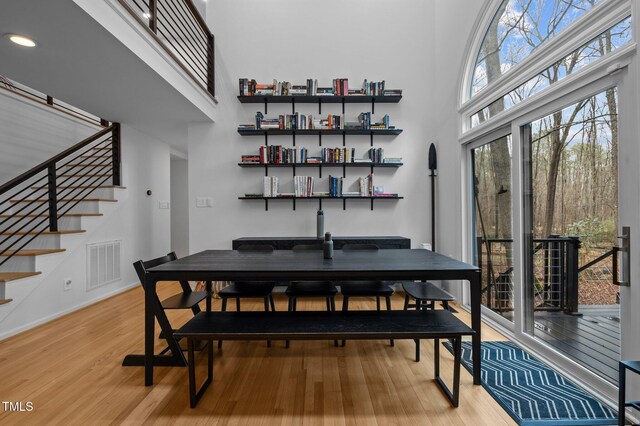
{"x":70,"y":370}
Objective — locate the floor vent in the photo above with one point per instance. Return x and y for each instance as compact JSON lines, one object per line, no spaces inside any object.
{"x":103,"y":263}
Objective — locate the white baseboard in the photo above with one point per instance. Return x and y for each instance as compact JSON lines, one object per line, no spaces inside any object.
{"x":23,"y":328}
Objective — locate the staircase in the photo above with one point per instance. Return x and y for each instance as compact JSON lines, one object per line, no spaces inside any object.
{"x":49,"y":203}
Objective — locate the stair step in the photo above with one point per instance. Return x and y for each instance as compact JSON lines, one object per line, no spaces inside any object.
{"x":13,"y":276}
{"x":5,"y":301}
{"x":2,"y":216}
{"x":79,"y":231}
{"x":92,"y":175}
{"x":89,"y":164}
{"x":83,"y":186}
{"x":31,"y":252}
{"x":67,"y":200}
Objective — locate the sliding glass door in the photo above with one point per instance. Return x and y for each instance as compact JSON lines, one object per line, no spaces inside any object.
{"x":570,"y":179}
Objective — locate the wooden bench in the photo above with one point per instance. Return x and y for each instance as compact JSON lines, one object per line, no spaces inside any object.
{"x":314,"y":325}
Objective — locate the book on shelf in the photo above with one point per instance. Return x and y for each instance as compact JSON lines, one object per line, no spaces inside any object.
{"x":337,"y":155}
{"x":366,"y":185}
{"x":303,"y":186}
{"x":340,"y":87}
{"x":351,"y":194}
{"x":335,"y":186}
{"x":254,"y":195}
{"x":386,"y":195}
{"x":270,"y":186}
{"x":376,"y":155}
{"x":392,"y":160}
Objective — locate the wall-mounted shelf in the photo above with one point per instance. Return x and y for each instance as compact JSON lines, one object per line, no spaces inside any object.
{"x":319,"y":166}
{"x":274,"y":132}
{"x":320,"y":100}
{"x":320,"y":198}
{"x":322,"y":165}
{"x":304,"y":99}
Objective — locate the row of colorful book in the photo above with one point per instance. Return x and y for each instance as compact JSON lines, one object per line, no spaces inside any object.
{"x":308,"y":122}
{"x":304,"y":187}
{"x":278,"y":154}
{"x":339,"y":87}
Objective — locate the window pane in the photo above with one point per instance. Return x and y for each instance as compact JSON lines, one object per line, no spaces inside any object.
{"x":517,"y":29}
{"x":492,"y":224}
{"x":595,"y":49}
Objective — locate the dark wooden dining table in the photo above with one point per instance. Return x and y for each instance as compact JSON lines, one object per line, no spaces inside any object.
{"x":288,"y":265}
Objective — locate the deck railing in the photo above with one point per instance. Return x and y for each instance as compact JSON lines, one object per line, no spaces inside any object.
{"x":183,"y":33}
{"x":555,"y":261}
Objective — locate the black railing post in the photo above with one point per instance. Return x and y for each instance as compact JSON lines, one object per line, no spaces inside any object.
{"x":49,"y":100}
{"x":489,"y":276}
{"x":104,"y":123}
{"x":53,"y":198}
{"x":116,"y":154}
{"x":211,"y":88}
{"x":153,"y":15}
{"x":573,"y":248}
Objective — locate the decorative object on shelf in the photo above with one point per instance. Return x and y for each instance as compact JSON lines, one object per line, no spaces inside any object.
{"x":433,"y":165}
{"x":320,"y":224}
{"x":327,"y":246}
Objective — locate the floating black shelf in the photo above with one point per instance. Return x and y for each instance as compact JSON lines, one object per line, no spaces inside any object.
{"x":304,"y":99}
{"x":322,"y":165}
{"x":273,"y":132}
{"x":320,"y":199}
{"x":353,"y":99}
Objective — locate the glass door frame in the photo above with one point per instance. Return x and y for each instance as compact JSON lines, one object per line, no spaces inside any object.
{"x":519,"y":330}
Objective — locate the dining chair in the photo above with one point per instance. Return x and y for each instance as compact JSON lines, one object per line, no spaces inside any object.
{"x":425,"y":294}
{"x":377,"y":289}
{"x":249,"y":289}
{"x":185,"y":299}
{"x":311,"y":289}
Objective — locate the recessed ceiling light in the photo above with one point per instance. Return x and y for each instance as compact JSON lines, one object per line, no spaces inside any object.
{"x":21,"y":40}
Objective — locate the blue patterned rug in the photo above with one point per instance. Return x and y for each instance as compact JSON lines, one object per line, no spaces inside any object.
{"x":531,"y":392}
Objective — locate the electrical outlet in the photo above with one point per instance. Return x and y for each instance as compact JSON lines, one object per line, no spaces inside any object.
{"x":67,"y":284}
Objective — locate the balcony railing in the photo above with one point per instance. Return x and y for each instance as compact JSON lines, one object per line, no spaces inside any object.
{"x":179,"y":28}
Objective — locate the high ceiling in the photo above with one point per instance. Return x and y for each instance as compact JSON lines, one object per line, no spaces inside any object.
{"x":80,"y":62}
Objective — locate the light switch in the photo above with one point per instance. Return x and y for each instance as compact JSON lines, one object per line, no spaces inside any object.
{"x":204,"y":202}
{"x":163,"y":204}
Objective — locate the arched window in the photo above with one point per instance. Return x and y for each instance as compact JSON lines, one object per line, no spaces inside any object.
{"x":517,"y":29}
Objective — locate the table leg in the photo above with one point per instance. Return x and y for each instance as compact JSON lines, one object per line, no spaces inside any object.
{"x":475,"y":282}
{"x":209,"y":292}
{"x":149,"y":330}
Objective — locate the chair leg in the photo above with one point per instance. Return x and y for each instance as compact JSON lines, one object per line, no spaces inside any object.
{"x":237,"y":304}
{"x":445,"y":305}
{"x":266,"y":309}
{"x":417,"y":349}
{"x":224,"y":309}
{"x":272,"y":303}
{"x":345,"y":307}
{"x":377,"y":303}
{"x":388,"y":300}
{"x":406,"y":302}
{"x":331,"y":307}
{"x":292,"y":307}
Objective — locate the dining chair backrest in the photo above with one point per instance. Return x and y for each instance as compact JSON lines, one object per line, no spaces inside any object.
{"x":306,"y":247}
{"x":256,"y":247}
{"x":356,"y":247}
{"x":141,"y":267}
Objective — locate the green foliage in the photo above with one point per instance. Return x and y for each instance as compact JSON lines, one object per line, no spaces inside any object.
{"x":594,"y":231}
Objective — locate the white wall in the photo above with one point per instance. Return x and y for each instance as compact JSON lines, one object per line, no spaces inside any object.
{"x":32,"y":133}
{"x":136,"y":220}
{"x":180,"y":206}
{"x":292,"y":40}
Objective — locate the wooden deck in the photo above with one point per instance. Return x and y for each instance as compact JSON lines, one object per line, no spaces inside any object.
{"x":592,"y":340}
